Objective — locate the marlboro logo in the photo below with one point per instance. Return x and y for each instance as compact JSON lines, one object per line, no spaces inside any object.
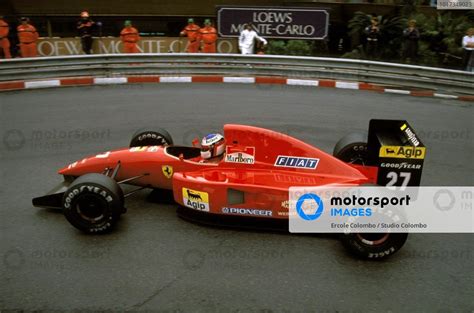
{"x":244,"y":155}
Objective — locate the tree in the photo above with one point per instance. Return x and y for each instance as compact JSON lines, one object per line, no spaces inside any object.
{"x":391,"y":28}
{"x":441,"y":37}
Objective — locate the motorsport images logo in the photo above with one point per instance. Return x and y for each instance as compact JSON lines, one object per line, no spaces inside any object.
{"x":308,"y":202}
{"x":378,"y":209}
{"x":197,"y":200}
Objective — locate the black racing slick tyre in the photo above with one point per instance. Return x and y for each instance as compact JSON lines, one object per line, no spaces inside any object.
{"x":352,"y":148}
{"x":373,"y":246}
{"x":93,"y":203}
{"x":147,"y":137}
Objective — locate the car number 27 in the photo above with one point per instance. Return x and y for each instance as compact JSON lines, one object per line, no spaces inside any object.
{"x":394,"y":177}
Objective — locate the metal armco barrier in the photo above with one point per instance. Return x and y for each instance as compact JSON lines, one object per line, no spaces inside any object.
{"x":110,"y":65}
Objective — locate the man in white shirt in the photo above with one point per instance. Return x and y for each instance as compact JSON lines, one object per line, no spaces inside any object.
{"x":247,"y":40}
{"x":468,"y":45}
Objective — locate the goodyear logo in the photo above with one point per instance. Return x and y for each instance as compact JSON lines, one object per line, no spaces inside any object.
{"x":410,"y":135}
{"x":195,"y":199}
{"x":402,"y":152}
{"x":298,"y":162}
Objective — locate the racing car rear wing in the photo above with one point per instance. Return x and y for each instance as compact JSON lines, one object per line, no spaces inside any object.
{"x":394,"y":147}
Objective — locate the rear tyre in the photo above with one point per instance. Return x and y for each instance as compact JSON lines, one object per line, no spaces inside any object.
{"x":352,"y":148}
{"x":147,"y":137}
{"x":373,"y":245}
{"x":93,"y":203}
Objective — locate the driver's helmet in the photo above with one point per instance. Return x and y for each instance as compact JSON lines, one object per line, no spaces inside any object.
{"x":213,"y":145}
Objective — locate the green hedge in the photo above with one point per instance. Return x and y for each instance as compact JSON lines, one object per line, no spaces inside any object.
{"x":290,"y":47}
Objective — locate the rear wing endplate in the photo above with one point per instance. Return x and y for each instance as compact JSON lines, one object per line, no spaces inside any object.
{"x":395,"y":148}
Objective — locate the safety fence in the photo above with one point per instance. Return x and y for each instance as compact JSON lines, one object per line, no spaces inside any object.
{"x":175,"y":64}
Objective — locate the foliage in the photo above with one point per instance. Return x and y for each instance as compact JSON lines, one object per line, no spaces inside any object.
{"x":440,"y":41}
{"x":290,"y":47}
{"x":357,"y":53}
{"x":442,"y":34}
{"x":276,"y":47}
{"x":298,"y":47}
{"x":391,"y":28}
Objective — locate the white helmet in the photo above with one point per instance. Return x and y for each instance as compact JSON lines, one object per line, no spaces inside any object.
{"x":213,"y":145}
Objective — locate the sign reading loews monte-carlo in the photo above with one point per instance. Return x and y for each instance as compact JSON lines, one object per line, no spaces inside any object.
{"x":274,"y":22}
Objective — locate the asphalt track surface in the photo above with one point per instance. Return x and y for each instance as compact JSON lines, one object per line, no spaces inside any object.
{"x":155,"y":261}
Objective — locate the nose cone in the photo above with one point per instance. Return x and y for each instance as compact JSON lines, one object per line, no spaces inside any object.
{"x":93,"y":164}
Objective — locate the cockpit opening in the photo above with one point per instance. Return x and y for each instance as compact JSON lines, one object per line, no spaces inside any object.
{"x":186,"y":152}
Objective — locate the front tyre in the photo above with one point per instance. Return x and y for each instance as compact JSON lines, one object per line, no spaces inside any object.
{"x":373,"y":245}
{"x":93,"y":203}
{"x":147,"y":137}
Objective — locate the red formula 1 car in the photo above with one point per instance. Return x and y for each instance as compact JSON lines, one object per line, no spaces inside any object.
{"x":248,"y":187}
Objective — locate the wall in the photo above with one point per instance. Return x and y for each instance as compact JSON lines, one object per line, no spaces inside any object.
{"x":72,"y":46}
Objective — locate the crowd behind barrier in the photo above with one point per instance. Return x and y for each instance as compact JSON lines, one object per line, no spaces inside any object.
{"x":205,"y":39}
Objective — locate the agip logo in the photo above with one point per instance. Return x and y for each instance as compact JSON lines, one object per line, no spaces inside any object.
{"x":197,"y":200}
{"x":402,"y":152}
{"x":309,"y":202}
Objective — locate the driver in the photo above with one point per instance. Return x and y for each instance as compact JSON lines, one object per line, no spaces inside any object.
{"x":212,"y":148}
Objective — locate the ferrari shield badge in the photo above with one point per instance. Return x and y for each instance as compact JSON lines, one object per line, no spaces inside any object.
{"x":167,"y":171}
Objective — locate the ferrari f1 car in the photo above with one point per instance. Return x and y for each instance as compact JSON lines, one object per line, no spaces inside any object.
{"x":249,"y":187}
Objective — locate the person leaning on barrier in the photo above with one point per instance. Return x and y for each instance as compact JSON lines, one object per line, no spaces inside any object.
{"x":411,"y":36}
{"x":468,"y":45}
{"x":4,"y":42}
{"x":85,"y":27}
{"x":130,"y":37}
{"x":192,"y":32}
{"x":247,"y":40}
{"x":27,"y":36}
{"x":208,"y":36}
{"x":373,"y":35}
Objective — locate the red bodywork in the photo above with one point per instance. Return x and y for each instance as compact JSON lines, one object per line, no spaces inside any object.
{"x":247,"y":177}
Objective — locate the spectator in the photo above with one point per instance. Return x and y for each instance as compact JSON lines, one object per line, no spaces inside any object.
{"x":130,"y":37}
{"x":373,"y":35}
{"x":85,"y":26}
{"x":410,"y":49}
{"x":208,"y":35}
{"x":247,"y":40}
{"x":468,"y":45}
{"x":4,"y":42}
{"x":27,"y":36}
{"x":192,"y":32}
